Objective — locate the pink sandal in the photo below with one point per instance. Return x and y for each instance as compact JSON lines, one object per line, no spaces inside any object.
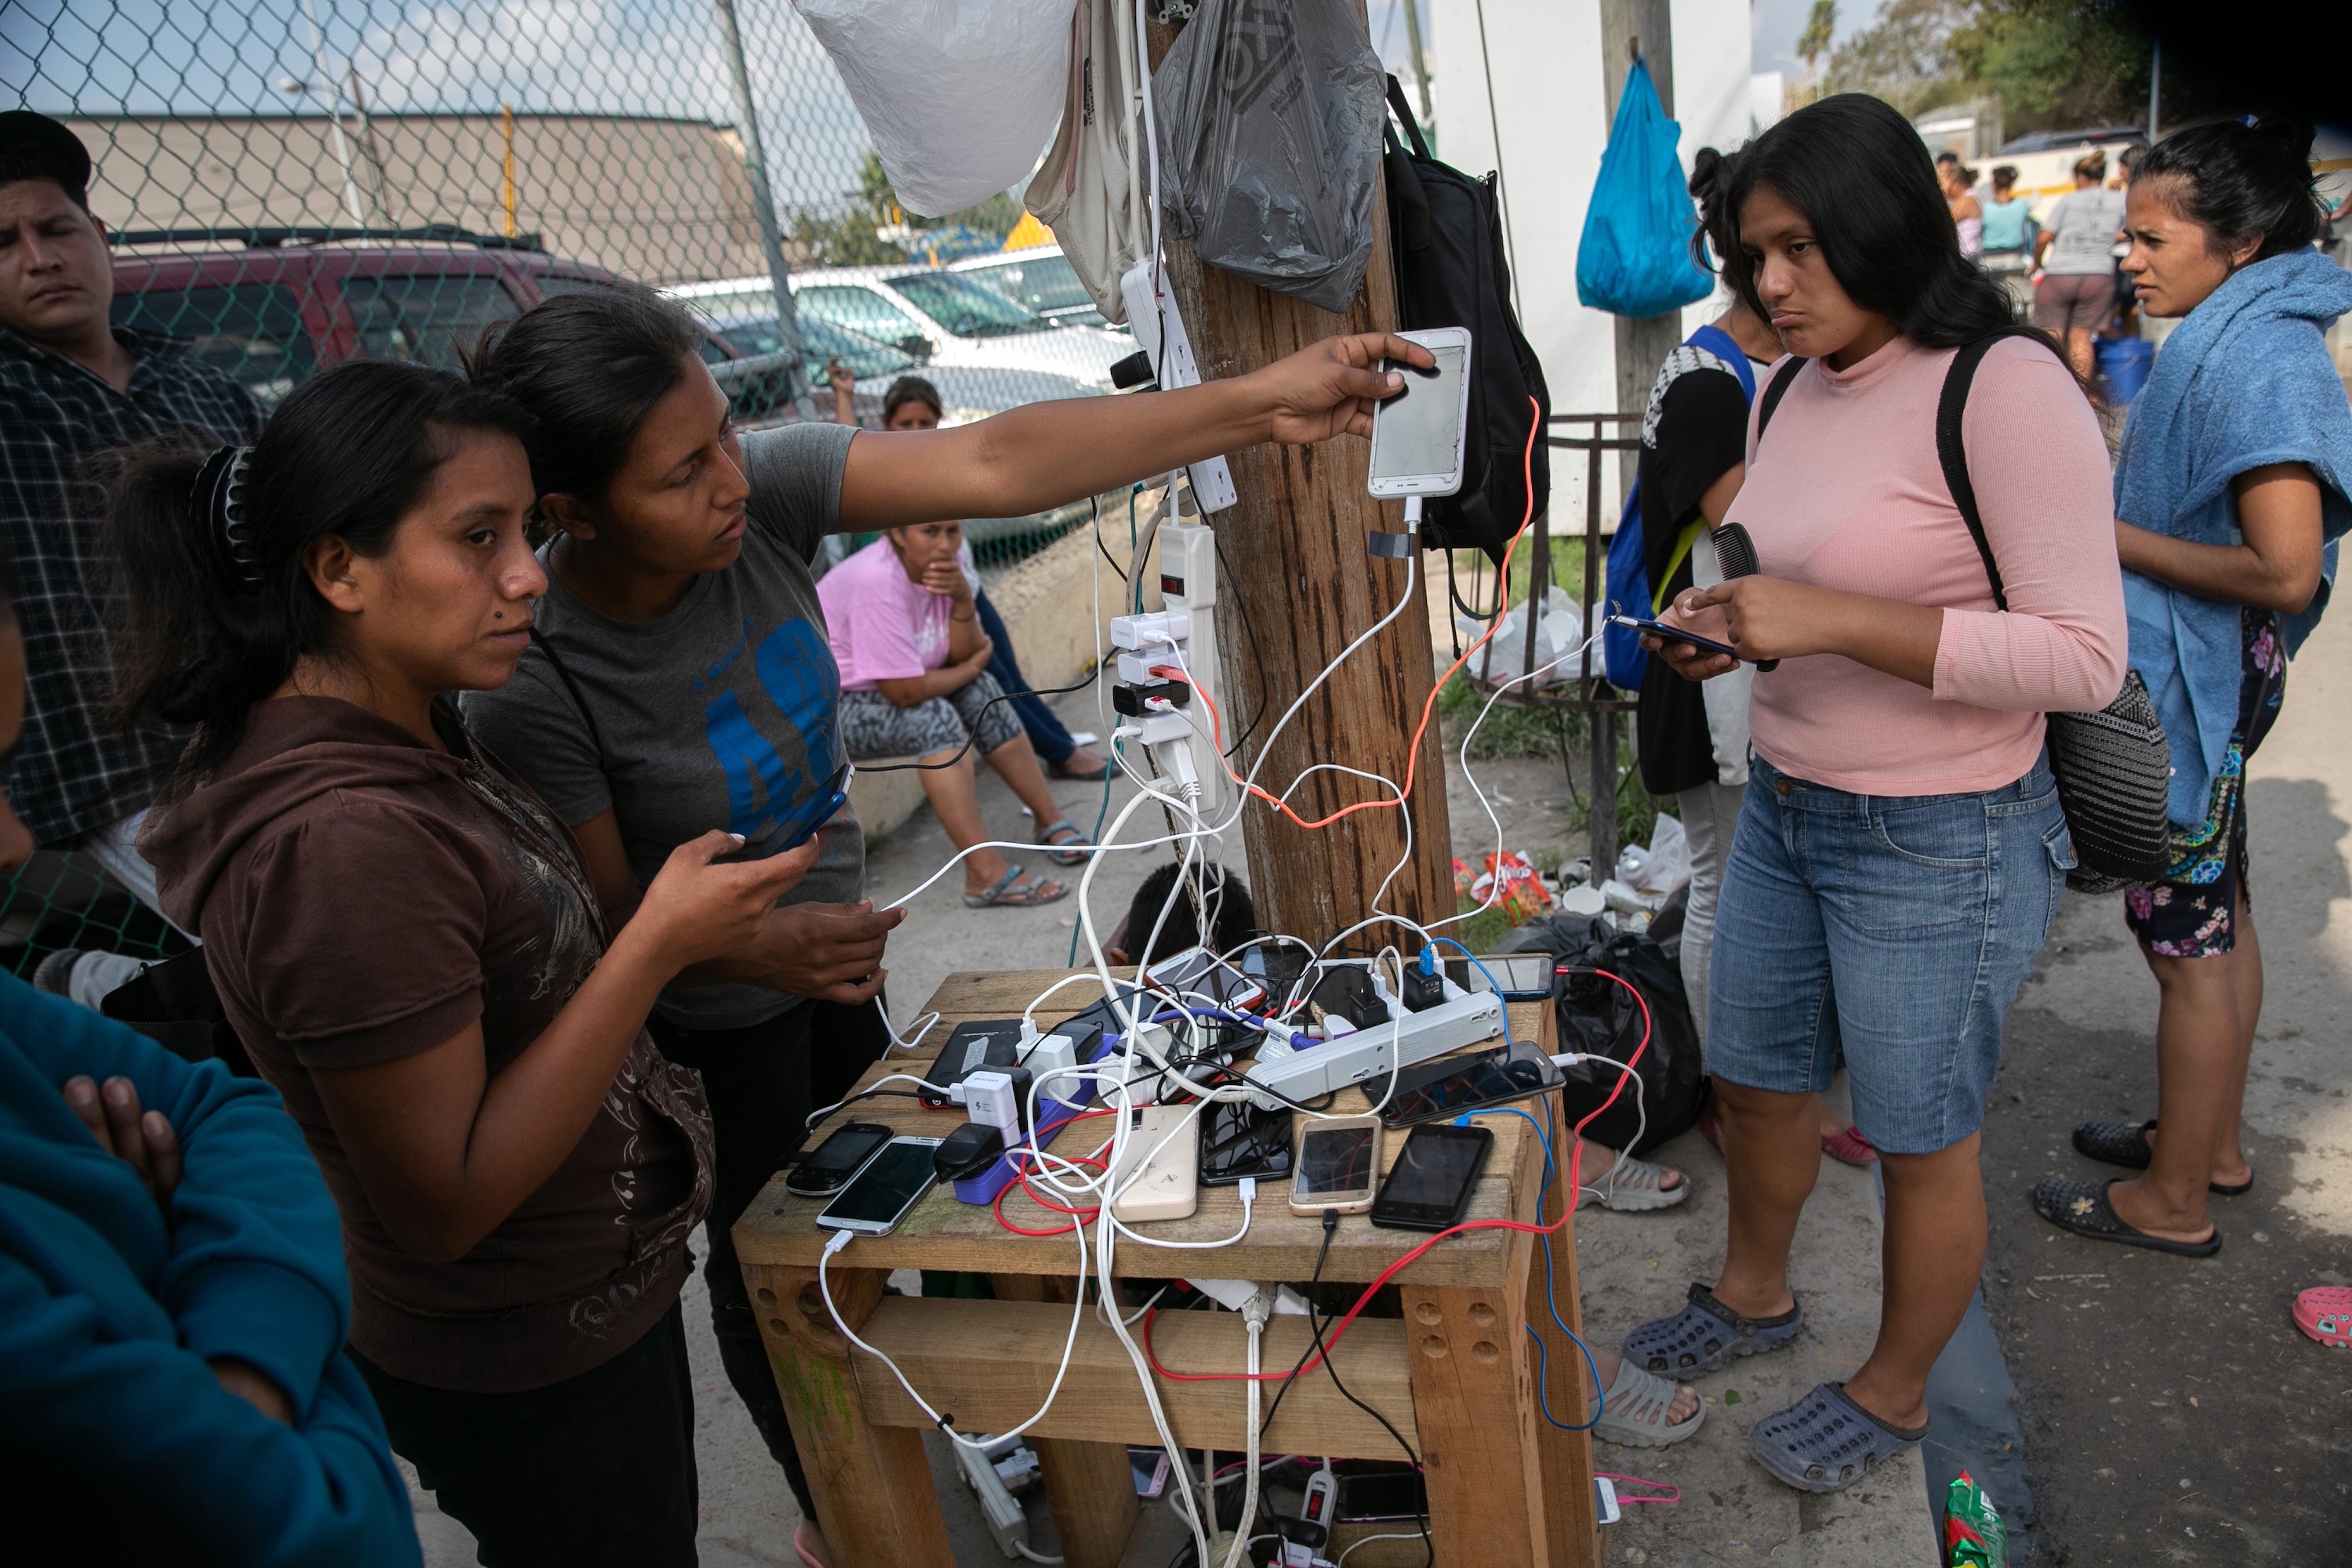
{"x":1849,"y":1147}
{"x":2324,"y":1313}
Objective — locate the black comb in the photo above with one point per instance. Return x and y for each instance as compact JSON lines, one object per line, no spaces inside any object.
{"x":1734,"y":556}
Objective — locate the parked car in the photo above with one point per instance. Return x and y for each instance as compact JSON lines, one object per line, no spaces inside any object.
{"x":935,"y":314}
{"x":1040,"y":279}
{"x":969,"y":392}
{"x":268,"y":306}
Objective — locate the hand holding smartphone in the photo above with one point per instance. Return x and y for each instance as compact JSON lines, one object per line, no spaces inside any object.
{"x":1674,"y":634}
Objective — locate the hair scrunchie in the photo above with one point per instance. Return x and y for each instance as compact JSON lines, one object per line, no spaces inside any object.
{"x":217,"y":498}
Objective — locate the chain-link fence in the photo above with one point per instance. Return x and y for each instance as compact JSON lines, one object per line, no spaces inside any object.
{"x":289,"y":184}
{"x":292,"y":183}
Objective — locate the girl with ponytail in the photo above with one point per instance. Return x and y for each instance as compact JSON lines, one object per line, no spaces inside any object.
{"x":408,"y":944}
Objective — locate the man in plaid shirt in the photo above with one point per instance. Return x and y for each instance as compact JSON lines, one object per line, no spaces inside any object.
{"x":70,"y":384}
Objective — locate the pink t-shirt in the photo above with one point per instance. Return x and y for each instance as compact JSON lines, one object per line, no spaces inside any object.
{"x":884,"y":625}
{"x":1847,"y":493}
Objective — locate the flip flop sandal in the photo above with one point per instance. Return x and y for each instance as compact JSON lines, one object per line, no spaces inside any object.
{"x":1825,"y":1442}
{"x":1636,"y":1186}
{"x":2082,"y":1208}
{"x":2126,"y":1143}
{"x":1015,"y":891}
{"x":1634,"y":1412}
{"x":1705,"y":1335}
{"x":1071,"y":851}
{"x":2323,"y":1312}
{"x":1849,"y":1148}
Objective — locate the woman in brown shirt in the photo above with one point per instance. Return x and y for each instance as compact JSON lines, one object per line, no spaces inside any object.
{"x":406,"y":942}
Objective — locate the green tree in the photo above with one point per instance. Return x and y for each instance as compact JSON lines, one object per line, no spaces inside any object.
{"x":1821,"y":27}
{"x":852,"y":235}
{"x":2047,"y":62}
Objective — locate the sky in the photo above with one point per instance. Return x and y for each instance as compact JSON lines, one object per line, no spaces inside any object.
{"x":1775,"y":24}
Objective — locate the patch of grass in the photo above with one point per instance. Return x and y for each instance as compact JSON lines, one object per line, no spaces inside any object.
{"x":1483,"y":932}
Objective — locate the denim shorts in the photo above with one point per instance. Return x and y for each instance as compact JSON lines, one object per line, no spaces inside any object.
{"x":1896,"y":929}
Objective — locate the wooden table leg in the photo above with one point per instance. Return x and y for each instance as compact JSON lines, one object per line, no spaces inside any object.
{"x":872,"y":1484}
{"x":1088,"y":1485}
{"x":1575,"y":1540}
{"x":1474,"y":1402}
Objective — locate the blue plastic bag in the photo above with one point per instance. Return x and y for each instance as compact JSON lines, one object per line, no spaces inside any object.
{"x":1635,"y":259}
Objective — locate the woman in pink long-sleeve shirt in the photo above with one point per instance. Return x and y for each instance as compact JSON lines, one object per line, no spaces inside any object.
{"x":1901,"y":850}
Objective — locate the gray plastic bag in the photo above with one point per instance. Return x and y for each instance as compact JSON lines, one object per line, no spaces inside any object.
{"x":1269,"y":117}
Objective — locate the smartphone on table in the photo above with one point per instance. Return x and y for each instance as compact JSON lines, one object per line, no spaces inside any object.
{"x":1674,"y":634}
{"x":893,"y":1182}
{"x":1337,"y":1161}
{"x":1451,"y":1085}
{"x":1239,"y":1138}
{"x":827,"y":1170}
{"x":1429,"y":1186}
{"x":1418,"y":435}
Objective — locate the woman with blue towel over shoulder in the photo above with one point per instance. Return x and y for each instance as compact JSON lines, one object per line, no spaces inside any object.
{"x":2231,"y":492}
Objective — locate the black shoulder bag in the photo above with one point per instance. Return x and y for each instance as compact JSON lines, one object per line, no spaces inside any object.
{"x":2114,"y":767}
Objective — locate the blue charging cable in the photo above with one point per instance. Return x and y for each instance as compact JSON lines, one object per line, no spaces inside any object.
{"x":1543,"y":1366}
{"x":1429,"y":966}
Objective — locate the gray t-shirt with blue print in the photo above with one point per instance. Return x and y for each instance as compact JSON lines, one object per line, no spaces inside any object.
{"x":720,"y":714}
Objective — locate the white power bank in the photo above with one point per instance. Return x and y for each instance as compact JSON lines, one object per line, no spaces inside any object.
{"x":1165,"y":1146}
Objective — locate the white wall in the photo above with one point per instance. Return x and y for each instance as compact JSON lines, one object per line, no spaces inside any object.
{"x":1548,"y":105}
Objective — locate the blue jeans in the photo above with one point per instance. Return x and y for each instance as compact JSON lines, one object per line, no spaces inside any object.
{"x":1051,"y":741}
{"x":1897,"y":928}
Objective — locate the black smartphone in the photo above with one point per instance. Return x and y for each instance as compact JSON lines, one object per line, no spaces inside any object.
{"x":975,"y":1046}
{"x":1451,"y":1085}
{"x":801,"y":825}
{"x":1383,"y":1496}
{"x":1674,"y":634}
{"x":1518,"y":976}
{"x":1429,"y":1186}
{"x":1238,"y":1138}
{"x":827,"y":1169}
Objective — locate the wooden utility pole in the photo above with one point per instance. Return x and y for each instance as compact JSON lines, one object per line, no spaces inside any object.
{"x":1645,"y":27}
{"x":1298,"y":586}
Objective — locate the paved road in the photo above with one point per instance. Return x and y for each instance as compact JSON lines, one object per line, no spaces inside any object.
{"x":2172,"y":1413}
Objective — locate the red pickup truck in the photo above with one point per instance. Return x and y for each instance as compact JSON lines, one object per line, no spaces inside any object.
{"x":270,"y":305}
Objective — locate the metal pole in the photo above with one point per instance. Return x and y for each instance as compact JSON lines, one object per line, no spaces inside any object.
{"x":1420,"y":65}
{"x":334,"y":113}
{"x":507,"y":122}
{"x":2155,"y":83}
{"x":763,"y":207}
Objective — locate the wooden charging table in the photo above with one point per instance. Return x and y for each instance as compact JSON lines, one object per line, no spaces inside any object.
{"x":1455,"y":1374}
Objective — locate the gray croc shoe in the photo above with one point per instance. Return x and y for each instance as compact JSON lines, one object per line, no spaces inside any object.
{"x":1633,"y":1411}
{"x":1825,"y":1442}
{"x":1705,"y":1335}
{"x":1633,"y":1186}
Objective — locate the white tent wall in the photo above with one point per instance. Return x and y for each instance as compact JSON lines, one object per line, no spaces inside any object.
{"x":1548,"y":113}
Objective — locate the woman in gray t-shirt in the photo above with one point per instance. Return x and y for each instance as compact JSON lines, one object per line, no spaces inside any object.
{"x":680,"y":679}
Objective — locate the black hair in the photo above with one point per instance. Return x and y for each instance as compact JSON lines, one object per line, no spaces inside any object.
{"x":1233,"y":921}
{"x":588,"y":368}
{"x":911,"y":389}
{"x":2241,"y":183}
{"x":1710,"y":175}
{"x":207,"y":629}
{"x":2004,"y":175}
{"x":1863,"y":179}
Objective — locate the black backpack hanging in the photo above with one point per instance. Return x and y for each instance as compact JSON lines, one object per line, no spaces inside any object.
{"x":1446,"y":231}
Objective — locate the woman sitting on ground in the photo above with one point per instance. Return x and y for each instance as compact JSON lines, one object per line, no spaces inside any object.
{"x":915,"y":683}
{"x":409,"y":944}
{"x":914,"y":404}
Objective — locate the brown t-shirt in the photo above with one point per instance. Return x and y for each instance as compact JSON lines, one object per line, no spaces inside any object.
{"x":364,"y":897}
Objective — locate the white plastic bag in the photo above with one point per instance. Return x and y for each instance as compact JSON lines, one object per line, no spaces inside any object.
{"x":959,"y":95}
{"x":1663,"y":866}
{"x":1558,"y":631}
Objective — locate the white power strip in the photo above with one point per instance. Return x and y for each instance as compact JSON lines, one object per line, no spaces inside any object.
{"x":1159,"y":332}
{"x":1006,"y":1521}
{"x":1310,"y":1069}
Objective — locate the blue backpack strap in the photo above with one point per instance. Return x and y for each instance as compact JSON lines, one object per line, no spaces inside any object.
{"x":1723,"y":346}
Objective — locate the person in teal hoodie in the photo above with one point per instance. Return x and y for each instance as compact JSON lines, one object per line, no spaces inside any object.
{"x":2234,"y":484}
{"x":172,"y":1300}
